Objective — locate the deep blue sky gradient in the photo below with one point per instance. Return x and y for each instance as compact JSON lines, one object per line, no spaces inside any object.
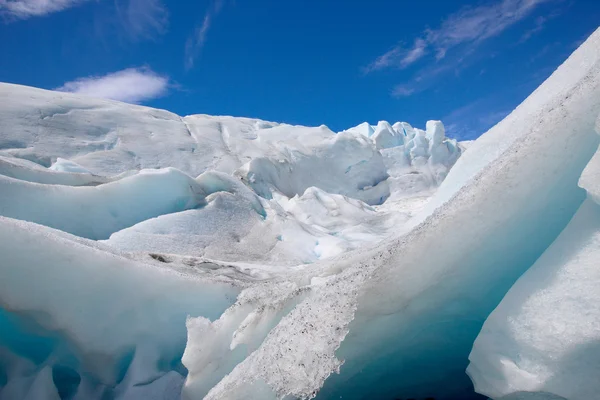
{"x":303,"y":61}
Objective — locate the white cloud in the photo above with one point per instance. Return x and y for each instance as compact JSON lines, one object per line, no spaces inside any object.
{"x":143,"y":19}
{"x":195,"y":43}
{"x":469,"y":25}
{"x":539,"y":26}
{"x":24,"y":9}
{"x":139,"y":19}
{"x":132,"y":85}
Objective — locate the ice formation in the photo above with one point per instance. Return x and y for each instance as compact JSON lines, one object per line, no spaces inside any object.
{"x":150,"y":256}
{"x":544,"y":334}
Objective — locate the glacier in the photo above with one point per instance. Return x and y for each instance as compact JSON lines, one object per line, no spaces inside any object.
{"x":544,"y":334}
{"x":151,"y":256}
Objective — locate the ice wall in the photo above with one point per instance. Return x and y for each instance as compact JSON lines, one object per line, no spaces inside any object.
{"x":79,"y":319}
{"x":545,"y":334}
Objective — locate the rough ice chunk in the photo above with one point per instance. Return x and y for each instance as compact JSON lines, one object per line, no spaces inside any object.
{"x":435,"y":133}
{"x":354,"y":169}
{"x":364,"y":129}
{"x":385,"y":136}
{"x":64,"y":165}
{"x":301,"y":230}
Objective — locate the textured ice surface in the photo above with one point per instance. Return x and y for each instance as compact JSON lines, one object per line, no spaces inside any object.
{"x":304,"y":229}
{"x":544,"y":335}
{"x":110,"y":322}
{"x":96,"y":212}
{"x":29,"y":171}
{"x":354,"y":168}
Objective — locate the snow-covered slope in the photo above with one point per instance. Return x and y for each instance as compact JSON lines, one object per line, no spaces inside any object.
{"x":300,"y":262}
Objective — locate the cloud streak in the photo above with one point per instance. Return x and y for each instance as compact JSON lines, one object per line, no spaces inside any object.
{"x":402,"y":91}
{"x":195,"y":43}
{"x":132,"y":85}
{"x":399,"y":57}
{"x":470,"y":25}
{"x":24,"y":9}
{"x":143,"y":19}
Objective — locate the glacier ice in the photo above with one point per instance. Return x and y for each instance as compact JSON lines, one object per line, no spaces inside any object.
{"x":301,"y":230}
{"x":76,"y":306}
{"x":354,"y":168}
{"x":108,"y":318}
{"x":31,"y":172}
{"x":544,"y":334}
{"x":420,"y":308}
{"x":96,"y":212}
{"x":147,"y":255}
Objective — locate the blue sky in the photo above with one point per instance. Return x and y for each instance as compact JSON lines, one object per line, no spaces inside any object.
{"x":308,"y":62}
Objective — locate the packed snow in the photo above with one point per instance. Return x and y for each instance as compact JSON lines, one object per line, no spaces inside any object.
{"x":151,"y":256}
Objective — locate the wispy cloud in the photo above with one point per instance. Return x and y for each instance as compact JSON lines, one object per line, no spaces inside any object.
{"x":24,"y":9}
{"x":402,"y":91}
{"x":132,"y":85}
{"x":142,"y":19}
{"x":399,"y":56}
{"x":540,"y":22}
{"x":459,"y":34}
{"x":195,"y":43}
{"x":474,"y":25}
